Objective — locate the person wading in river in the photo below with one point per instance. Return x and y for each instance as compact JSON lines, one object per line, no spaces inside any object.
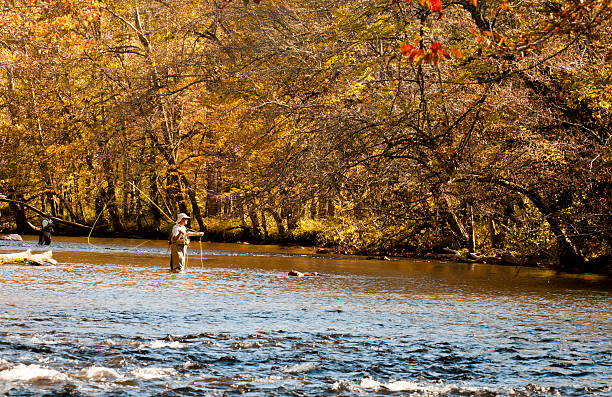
{"x":45,"y":231}
{"x":179,"y":241}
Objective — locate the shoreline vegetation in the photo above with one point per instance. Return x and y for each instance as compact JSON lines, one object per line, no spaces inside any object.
{"x":227,"y":232}
{"x":471,"y":130}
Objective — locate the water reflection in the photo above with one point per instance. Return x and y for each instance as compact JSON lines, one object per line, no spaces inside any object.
{"x":111,"y":320}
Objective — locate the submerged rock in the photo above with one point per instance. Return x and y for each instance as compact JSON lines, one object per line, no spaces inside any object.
{"x":300,"y":274}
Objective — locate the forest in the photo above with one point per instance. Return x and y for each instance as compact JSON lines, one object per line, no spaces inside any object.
{"x":378,"y":127}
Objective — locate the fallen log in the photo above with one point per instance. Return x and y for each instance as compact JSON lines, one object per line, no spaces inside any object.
{"x":457,"y":257}
{"x":28,"y":258}
{"x":41,"y":213}
{"x":11,"y":237}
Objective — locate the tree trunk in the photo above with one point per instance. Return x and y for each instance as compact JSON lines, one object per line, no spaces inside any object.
{"x":52,"y":206}
{"x":290,"y":218}
{"x":173,"y":190}
{"x":240,"y":208}
{"x":111,"y":206}
{"x":313,"y":209}
{"x":212,"y":191}
{"x":453,"y":222}
{"x":264,"y":224}
{"x":138,"y":210}
{"x":19,"y":206}
{"x":322,"y":210}
{"x":293,"y":217}
{"x":195,"y":207}
{"x":331,"y":209}
{"x":66,"y":206}
{"x":496,"y":236}
{"x":570,"y":256}
{"x":568,"y":253}
{"x":157,"y":214}
{"x":21,"y":220}
{"x":255,"y":223}
{"x":470,"y":229}
{"x":278,"y":220}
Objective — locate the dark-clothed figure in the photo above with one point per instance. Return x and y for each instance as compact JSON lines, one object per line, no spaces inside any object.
{"x":45,"y":231}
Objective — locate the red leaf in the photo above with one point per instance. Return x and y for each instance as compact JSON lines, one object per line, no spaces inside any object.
{"x":415,"y":54}
{"x":435,"y":47}
{"x":407,"y":49}
{"x":435,"y":5}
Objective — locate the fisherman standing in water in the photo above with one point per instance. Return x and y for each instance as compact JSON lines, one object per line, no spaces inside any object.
{"x":179,"y":241}
{"x":45,"y":231}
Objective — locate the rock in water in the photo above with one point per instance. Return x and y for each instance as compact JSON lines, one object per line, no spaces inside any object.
{"x":11,"y":237}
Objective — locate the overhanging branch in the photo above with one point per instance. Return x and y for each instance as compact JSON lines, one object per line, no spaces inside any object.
{"x":42,"y":213}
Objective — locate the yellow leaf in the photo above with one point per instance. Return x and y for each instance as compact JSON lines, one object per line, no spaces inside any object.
{"x":417,"y":39}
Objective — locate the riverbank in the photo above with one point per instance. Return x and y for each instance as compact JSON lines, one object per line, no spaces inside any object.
{"x":335,"y":237}
{"x":444,"y":255}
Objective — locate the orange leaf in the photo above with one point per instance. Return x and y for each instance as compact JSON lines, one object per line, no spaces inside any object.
{"x":416,"y":54}
{"x":456,"y":53}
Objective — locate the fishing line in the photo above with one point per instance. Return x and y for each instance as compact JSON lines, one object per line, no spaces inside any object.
{"x":153,"y":202}
{"x":201,"y":259}
{"x":201,"y":250}
{"x":94,"y":225}
{"x":141,"y":244}
{"x":186,"y":256}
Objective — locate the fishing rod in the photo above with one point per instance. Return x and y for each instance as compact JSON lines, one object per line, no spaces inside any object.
{"x":160,"y":210}
{"x":171,"y":221}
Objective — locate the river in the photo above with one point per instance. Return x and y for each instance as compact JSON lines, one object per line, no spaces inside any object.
{"x":110,"y":320}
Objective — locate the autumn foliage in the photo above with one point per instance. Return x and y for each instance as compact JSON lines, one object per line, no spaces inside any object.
{"x":368,"y":126}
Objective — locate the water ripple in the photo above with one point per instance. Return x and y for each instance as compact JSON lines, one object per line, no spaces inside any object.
{"x":115,"y":322}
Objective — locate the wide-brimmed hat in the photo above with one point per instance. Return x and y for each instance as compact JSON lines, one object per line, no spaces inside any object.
{"x":181,"y":216}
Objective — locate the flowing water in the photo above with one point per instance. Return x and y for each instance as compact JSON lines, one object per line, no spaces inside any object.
{"x":110,"y":320}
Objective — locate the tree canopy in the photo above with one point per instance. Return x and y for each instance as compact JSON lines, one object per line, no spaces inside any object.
{"x":386,"y":126}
